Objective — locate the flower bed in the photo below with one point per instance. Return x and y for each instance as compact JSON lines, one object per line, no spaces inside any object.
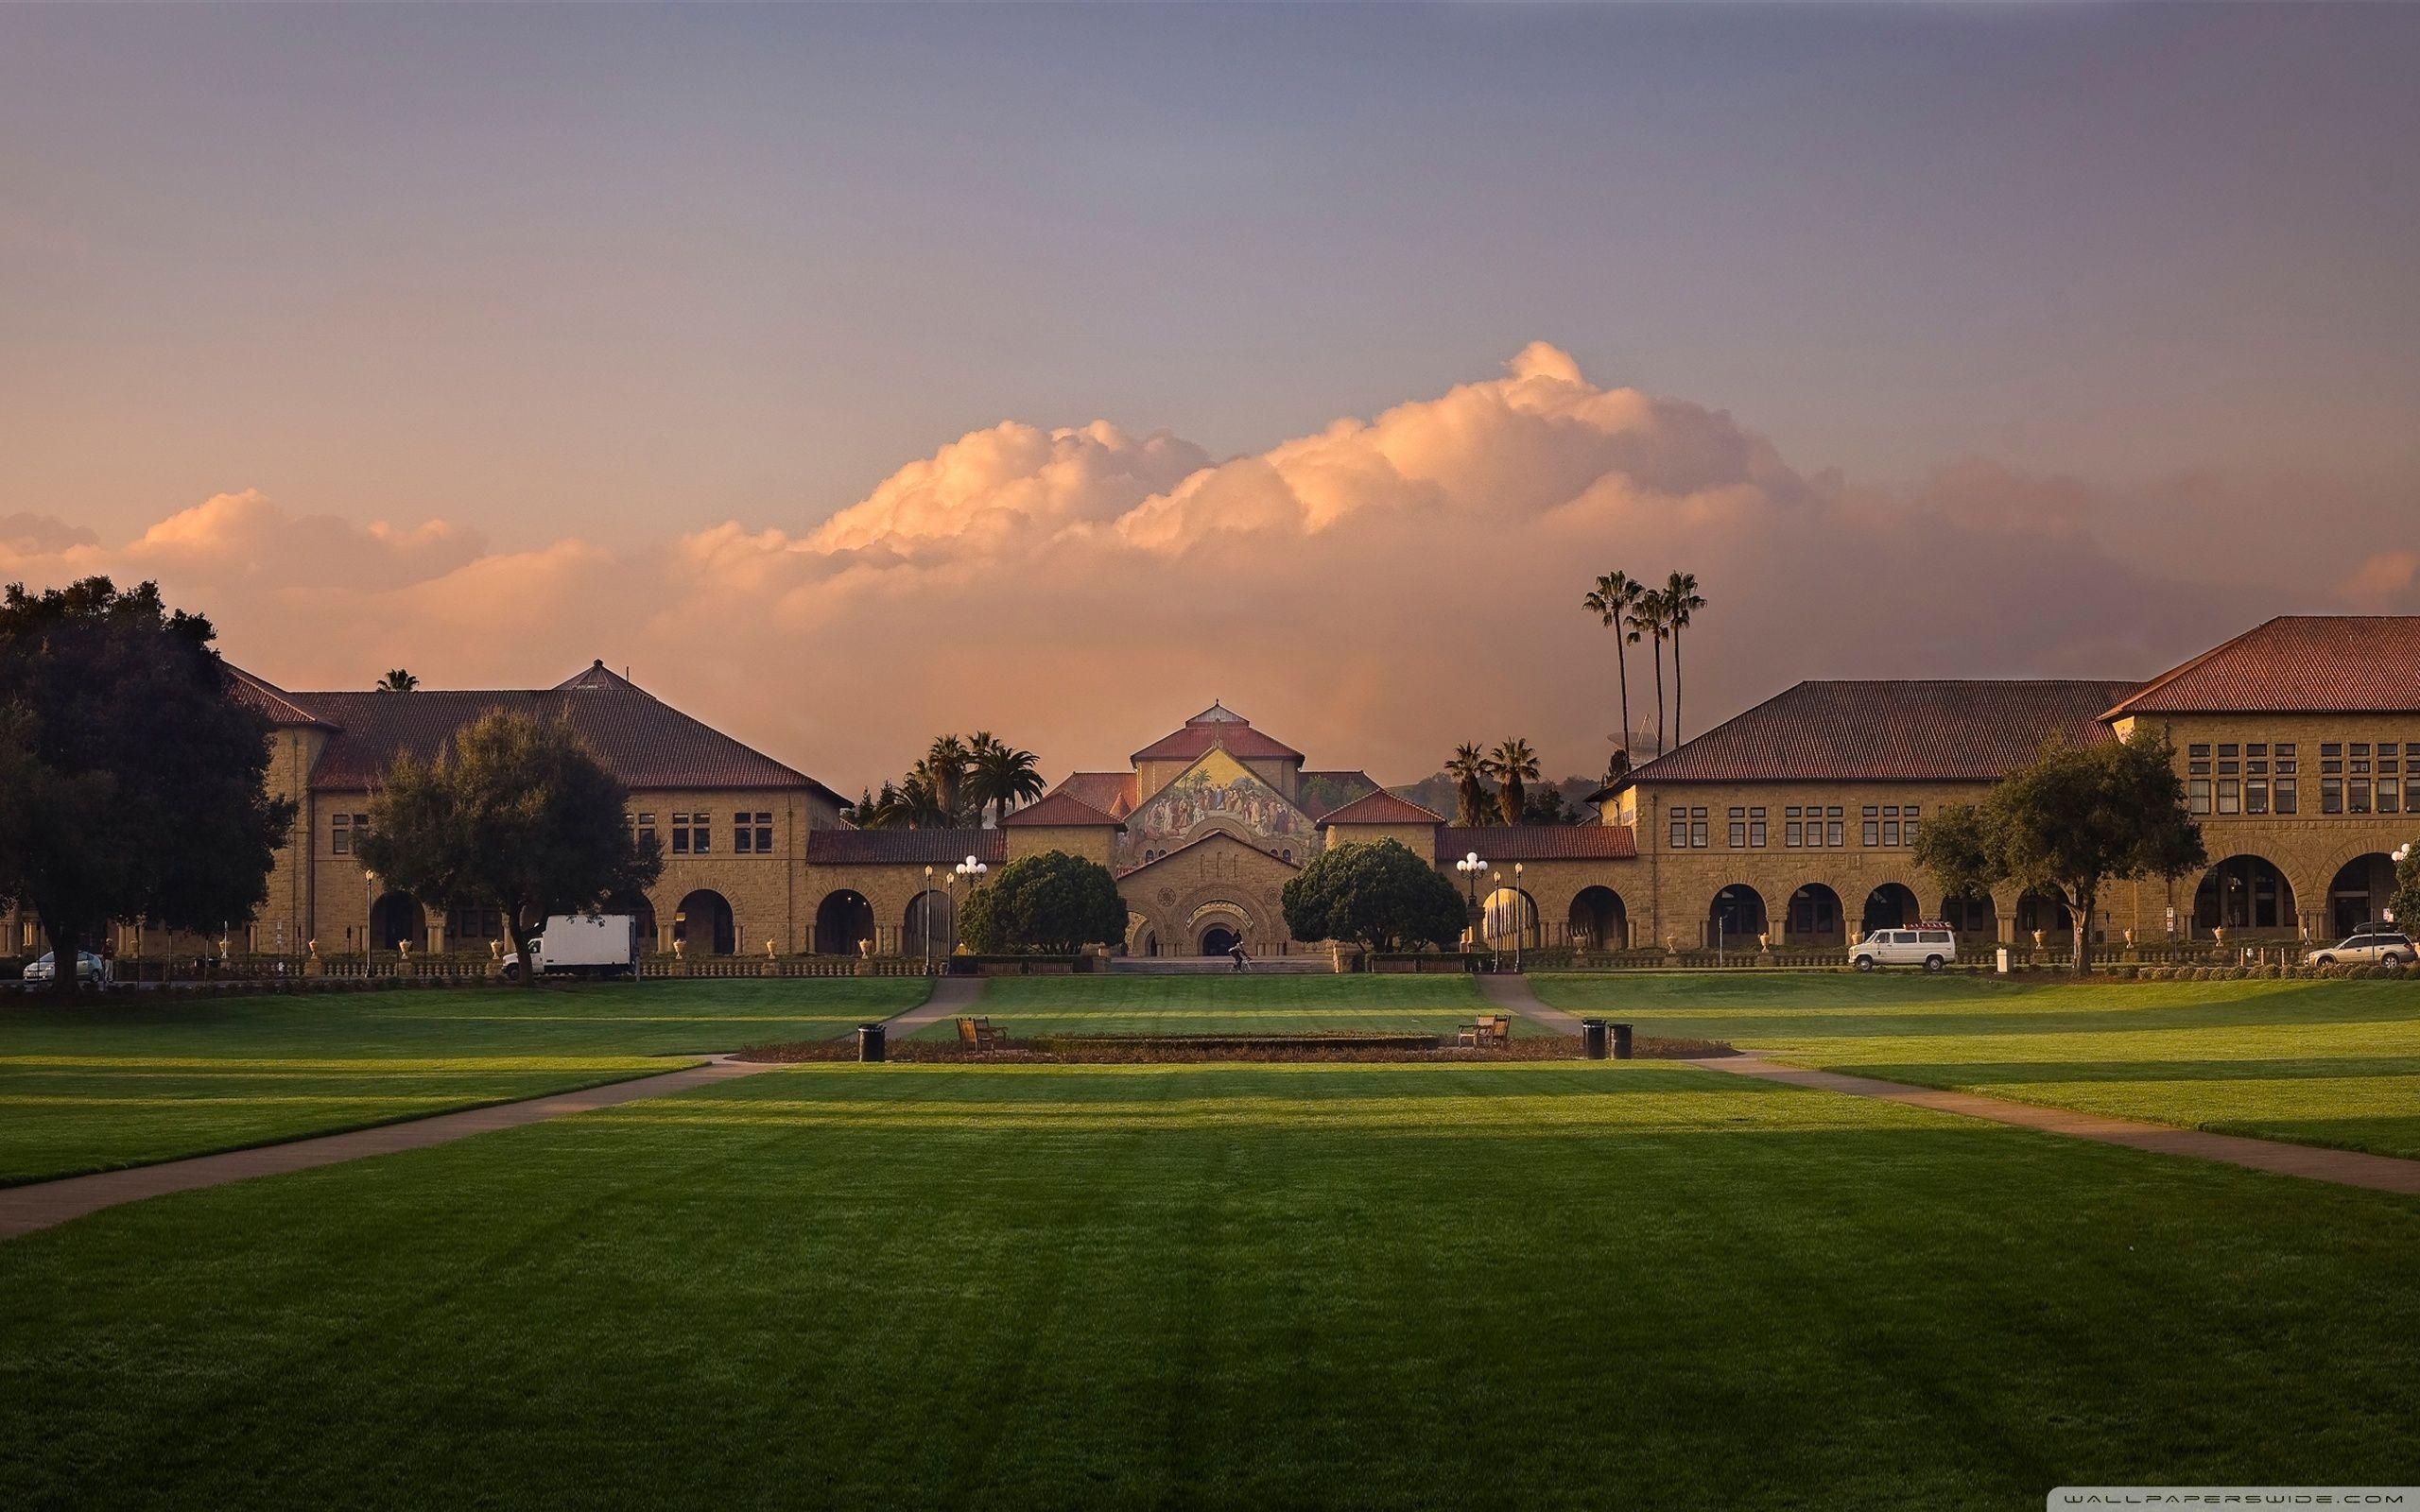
{"x":1140,"y":1049}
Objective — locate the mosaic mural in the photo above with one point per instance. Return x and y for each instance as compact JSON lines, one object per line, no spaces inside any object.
{"x":1215,"y":793}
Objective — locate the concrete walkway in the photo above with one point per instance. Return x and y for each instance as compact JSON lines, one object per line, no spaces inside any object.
{"x":43,"y":1204}
{"x":951,"y":996}
{"x":1510,"y":990}
{"x":2348,"y":1168}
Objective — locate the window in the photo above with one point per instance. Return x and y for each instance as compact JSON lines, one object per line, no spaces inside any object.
{"x":1790,"y":832}
{"x":1757,"y":828}
{"x":2197,"y":761}
{"x":2388,"y":796}
{"x":2198,"y":793}
{"x":348,"y":829}
{"x":1873,"y":827}
{"x":2360,"y":804}
{"x":2230,"y":795}
{"x":1738,"y":828}
{"x":1680,"y":829}
{"x":2331,"y":794}
{"x":692,"y":834}
{"x":1908,"y":812}
{"x":751,"y":834}
{"x":680,"y":834}
{"x":1697,"y":827}
{"x":2286,"y":758}
{"x":643,"y":830}
{"x":2411,"y":792}
{"x":1833,"y":826}
{"x":2255,"y":795}
{"x":2285,"y":793}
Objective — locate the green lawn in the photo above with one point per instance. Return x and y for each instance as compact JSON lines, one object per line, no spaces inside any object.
{"x":104,"y":1085}
{"x":1519,"y":1284}
{"x":2334,"y":1063}
{"x":1119,"y":1004}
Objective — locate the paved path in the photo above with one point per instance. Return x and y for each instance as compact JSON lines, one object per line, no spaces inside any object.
{"x":1510,"y":990}
{"x":951,"y":996}
{"x":2350,"y":1168}
{"x":41,"y":1204}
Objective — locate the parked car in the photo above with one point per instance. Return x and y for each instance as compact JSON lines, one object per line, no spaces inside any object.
{"x":582,"y":945}
{"x":89,"y":968}
{"x":1931,"y":946}
{"x":2378,"y":947}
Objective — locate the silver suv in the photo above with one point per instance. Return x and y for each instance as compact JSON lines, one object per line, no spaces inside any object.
{"x":2372,"y":947}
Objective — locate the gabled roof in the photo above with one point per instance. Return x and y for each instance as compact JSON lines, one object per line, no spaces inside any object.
{"x":1537,"y":842}
{"x":1876,"y":731}
{"x":1217,"y":726}
{"x":271,"y":702}
{"x":1205,"y":838}
{"x":1113,"y":793}
{"x":646,"y":742}
{"x":1061,"y":811}
{"x":1381,"y":807}
{"x":904,"y":848}
{"x":2295,"y":664}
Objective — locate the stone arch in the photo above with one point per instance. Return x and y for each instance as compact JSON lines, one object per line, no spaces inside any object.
{"x":395,"y":918}
{"x":1142,"y":935}
{"x":1815,"y":916}
{"x":842,"y":919}
{"x":1598,"y":918}
{"x":638,"y":906}
{"x":1508,"y":919}
{"x":2048,"y":913}
{"x":702,"y":924}
{"x":934,"y":908}
{"x":2245,"y":892}
{"x":1974,"y":913}
{"x":1734,"y":916}
{"x":2358,"y":893}
{"x":1892,"y":905}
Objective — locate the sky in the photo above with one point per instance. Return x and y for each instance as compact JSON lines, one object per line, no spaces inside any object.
{"x":851,"y":374}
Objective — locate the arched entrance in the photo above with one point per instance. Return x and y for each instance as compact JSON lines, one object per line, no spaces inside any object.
{"x":1735,"y":917}
{"x":394,"y":919}
{"x":2360,"y":892}
{"x":930,"y":910}
{"x":842,"y":920}
{"x":1815,"y":916}
{"x":1598,"y":921}
{"x":637,"y":907}
{"x":702,"y":925}
{"x":1892,"y":905}
{"x":1971,"y":913}
{"x":1509,"y":917}
{"x":2037,"y":911}
{"x":1218,"y":940}
{"x":2245,"y":892}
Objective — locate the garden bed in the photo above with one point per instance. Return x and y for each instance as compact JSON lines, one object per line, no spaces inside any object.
{"x":1134,"y":1048}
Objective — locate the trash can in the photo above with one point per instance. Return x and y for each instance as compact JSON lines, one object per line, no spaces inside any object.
{"x":1591,"y":1038}
{"x":1621,"y":1041}
{"x":874,"y":1042}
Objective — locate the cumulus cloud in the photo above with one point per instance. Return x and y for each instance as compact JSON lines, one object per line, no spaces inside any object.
{"x":1373,"y":591}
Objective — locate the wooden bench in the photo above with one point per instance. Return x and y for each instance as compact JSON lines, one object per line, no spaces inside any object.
{"x":1491,"y":1030}
{"x":978,"y":1033}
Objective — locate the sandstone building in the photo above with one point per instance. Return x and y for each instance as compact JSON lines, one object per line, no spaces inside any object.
{"x":1792,"y":822}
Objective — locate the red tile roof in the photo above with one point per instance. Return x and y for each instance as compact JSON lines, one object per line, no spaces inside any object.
{"x":2295,"y":664}
{"x":273,"y":703}
{"x":1217,"y":726}
{"x":938,"y":849}
{"x":1889,"y":731}
{"x":1205,"y":838}
{"x":1060,"y":809}
{"x":1113,"y":793}
{"x":646,"y":742}
{"x":1537,"y":842}
{"x":1381,"y":807}
{"x":1354,"y":784}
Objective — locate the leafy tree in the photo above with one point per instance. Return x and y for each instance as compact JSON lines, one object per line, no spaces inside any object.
{"x":999,"y":776}
{"x":1548,"y":806}
{"x":1378,"y":896}
{"x":1470,"y":771}
{"x":398,"y":680}
{"x":1681,"y":601}
{"x":1616,"y":767}
{"x":2073,"y":819}
{"x":1052,"y":903}
{"x":1513,"y":765}
{"x":1611,"y":601}
{"x":131,"y":786}
{"x":2407,"y":887}
{"x":516,"y":814}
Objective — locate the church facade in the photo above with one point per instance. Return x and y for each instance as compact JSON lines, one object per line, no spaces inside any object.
{"x":1792,"y":825}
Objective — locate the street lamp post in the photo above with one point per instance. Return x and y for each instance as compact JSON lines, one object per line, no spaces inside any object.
{"x":1520,"y":924}
{"x":973,"y":872}
{"x":369,"y":906}
{"x":1470,"y":866}
{"x":927,"y":900}
{"x":1495,"y":885}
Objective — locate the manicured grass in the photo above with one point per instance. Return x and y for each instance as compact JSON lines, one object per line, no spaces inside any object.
{"x":1121,"y":1003}
{"x":1403,"y":1286}
{"x":123,"y":1083}
{"x":2332,"y":1063}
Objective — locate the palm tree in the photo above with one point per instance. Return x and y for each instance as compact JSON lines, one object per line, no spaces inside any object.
{"x":944,"y":771}
{"x":1611,"y":602}
{"x":1469,"y":769}
{"x":398,"y":680}
{"x":917,"y":804}
{"x":1646,"y":619}
{"x":1000,"y":775}
{"x":1512,"y":761}
{"x":1681,"y":600}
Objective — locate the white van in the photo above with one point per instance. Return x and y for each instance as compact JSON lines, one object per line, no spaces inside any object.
{"x":1928,"y":945}
{"x":582,"y":945}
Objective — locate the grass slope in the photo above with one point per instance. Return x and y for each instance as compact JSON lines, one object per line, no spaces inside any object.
{"x":2332,"y":1063}
{"x":1121,"y":1003}
{"x":106,"y":1085}
{"x":1416,"y":1286}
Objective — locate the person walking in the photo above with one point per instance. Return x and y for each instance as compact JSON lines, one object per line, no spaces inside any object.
{"x":1238,"y":952}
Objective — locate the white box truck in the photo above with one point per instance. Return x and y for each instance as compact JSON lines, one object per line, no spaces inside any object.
{"x":582,"y":945}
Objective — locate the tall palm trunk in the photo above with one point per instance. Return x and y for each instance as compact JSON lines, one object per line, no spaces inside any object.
{"x":1676,"y":685}
{"x":1659,"y":694}
{"x":1622,"y":660}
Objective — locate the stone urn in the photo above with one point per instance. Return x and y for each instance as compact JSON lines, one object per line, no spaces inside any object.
{"x":1765,"y":943}
{"x":2037,"y":939}
{"x":1671,"y":944}
{"x":2219,"y":935}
